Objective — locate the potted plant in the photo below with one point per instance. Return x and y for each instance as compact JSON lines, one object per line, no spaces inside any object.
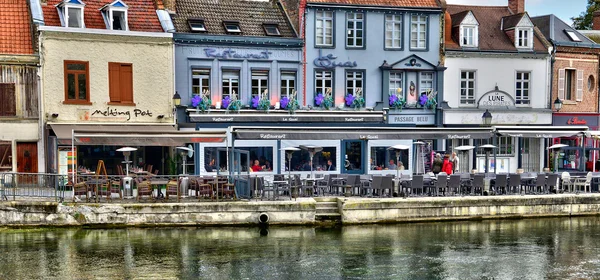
{"x":396,"y":101}
{"x":290,"y":103}
{"x":202,"y":102}
{"x":324,"y":100}
{"x":261,"y":101}
{"x":232,"y":103}
{"x":427,"y":100}
{"x":356,"y":99}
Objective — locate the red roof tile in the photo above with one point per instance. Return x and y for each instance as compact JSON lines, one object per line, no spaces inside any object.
{"x":491,"y":37}
{"x":15,"y":28}
{"x":141,"y":14}
{"x":388,"y":3}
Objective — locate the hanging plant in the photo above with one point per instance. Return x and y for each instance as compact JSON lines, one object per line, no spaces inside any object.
{"x":324,"y":100}
{"x":202,"y":103}
{"x":431,"y":102}
{"x":233,"y":103}
{"x":358,"y":100}
{"x":283,"y":103}
{"x":396,"y":101}
{"x":292,"y":104}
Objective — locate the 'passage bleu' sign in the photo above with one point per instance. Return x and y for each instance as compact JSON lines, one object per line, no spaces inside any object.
{"x":326,"y":61}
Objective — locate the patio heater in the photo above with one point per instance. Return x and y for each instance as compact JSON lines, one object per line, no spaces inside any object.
{"x":487,"y":148}
{"x":289,"y":151}
{"x":420,"y":157}
{"x":462,"y":150}
{"x":127,"y":181}
{"x":312,"y":150}
{"x":185,"y":152}
{"x":556,"y":150}
{"x":398,"y":148}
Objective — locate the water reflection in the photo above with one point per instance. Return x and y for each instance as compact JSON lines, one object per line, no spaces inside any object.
{"x":514,"y":249}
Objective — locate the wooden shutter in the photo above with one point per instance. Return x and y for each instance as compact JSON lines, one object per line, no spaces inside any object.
{"x":126,"y":83}
{"x":579,"y":96}
{"x":114,"y":81}
{"x":8,"y":106}
{"x":561,"y":84}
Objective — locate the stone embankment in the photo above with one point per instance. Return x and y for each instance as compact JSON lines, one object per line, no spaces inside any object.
{"x":304,"y":211}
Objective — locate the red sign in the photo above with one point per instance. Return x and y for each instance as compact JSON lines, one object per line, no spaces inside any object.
{"x":576,"y":121}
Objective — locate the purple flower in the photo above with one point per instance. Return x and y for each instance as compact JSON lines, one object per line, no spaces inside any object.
{"x":423,"y":99}
{"x":284,"y":102}
{"x":255,"y":101}
{"x":393,"y":99}
{"x":225,"y":102}
{"x":319,"y":99}
{"x":196,"y":100}
{"x":349,"y":99}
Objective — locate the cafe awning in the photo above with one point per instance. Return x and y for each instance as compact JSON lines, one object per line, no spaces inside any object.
{"x":363,"y":133}
{"x":540,"y":131}
{"x":133,"y":135}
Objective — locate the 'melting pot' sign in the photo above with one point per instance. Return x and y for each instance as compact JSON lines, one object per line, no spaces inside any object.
{"x":496,"y":99}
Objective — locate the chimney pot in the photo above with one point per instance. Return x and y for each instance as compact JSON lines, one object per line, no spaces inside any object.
{"x":516,"y":6}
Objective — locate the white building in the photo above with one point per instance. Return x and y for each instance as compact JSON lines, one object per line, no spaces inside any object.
{"x":497,"y":60}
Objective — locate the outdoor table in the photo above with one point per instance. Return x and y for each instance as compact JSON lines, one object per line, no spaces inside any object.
{"x":158,"y":184}
{"x":276,"y":184}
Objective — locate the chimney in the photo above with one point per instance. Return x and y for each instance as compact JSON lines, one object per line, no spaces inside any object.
{"x":596,"y":21}
{"x":516,"y":6}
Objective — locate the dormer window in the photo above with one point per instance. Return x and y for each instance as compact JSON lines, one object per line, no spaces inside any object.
{"x":70,"y":13}
{"x":232,"y":26}
{"x":524,"y":38}
{"x":271,"y":29}
{"x":468,"y":36}
{"x":197,"y":25}
{"x":572,"y":35}
{"x":115,"y":15}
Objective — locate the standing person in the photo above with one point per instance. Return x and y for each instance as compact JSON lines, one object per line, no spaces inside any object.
{"x":447,"y":165}
{"x":454,"y":161}
{"x":437,"y":164}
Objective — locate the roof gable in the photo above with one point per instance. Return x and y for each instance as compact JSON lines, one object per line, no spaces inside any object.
{"x":141,"y":14}
{"x":413,"y":62}
{"x":525,"y":22}
{"x":469,"y":19}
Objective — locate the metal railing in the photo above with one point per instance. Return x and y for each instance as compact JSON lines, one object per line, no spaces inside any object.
{"x":32,"y":185}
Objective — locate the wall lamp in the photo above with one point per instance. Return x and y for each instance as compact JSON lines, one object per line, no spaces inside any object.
{"x":558,"y":104}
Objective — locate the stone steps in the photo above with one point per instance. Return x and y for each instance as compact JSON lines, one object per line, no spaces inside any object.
{"x":327,"y":210}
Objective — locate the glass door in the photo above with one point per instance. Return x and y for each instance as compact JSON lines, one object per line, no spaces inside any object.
{"x":353,"y":156}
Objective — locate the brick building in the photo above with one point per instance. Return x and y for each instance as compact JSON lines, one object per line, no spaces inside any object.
{"x":575,"y":84}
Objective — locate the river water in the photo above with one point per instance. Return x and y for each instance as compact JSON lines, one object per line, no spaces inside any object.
{"x":558,"y":248}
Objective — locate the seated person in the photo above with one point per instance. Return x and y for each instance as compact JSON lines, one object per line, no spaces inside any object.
{"x":256,"y":167}
{"x":392,"y":165}
{"x":210,"y":167}
{"x":400,"y":166}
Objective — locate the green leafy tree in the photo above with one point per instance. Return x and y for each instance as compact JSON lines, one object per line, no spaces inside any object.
{"x":585,"y":19}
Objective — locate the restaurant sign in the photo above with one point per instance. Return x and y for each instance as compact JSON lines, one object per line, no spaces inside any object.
{"x":590,"y":120}
{"x":496,"y":99}
{"x":285,"y":118}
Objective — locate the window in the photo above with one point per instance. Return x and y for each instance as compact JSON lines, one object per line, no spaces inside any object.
{"x":301,"y":160}
{"x":119,"y":20}
{"x":200,"y":81}
{"x":467,"y":87}
{"x":426,"y":81}
{"x":120,"y":80}
{"x":384,"y":159}
{"x":524,"y":37}
{"x":418,"y":32}
{"x":395,"y":82}
{"x":197,"y":25}
{"x":261,"y":155}
{"x":8,"y":106}
{"x":590,"y":83}
{"x":570,"y":84}
{"x":5,"y":156}
{"x":232,"y":26}
{"x":231,"y":83}
{"x":271,"y":29}
{"x":468,"y":36}
{"x":354,"y":81}
{"x":522,"y":88}
{"x":324,"y":28}
{"x":115,"y":16}
{"x":355,"y":30}
{"x":323,"y":81}
{"x":77,"y":84}
{"x":572,"y":35}
{"x":569,"y":90}
{"x":393,"y":31}
{"x":288,"y":83}
{"x":260,"y":82}
{"x":506,"y":146}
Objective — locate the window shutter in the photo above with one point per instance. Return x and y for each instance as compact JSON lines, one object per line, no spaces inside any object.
{"x":126,"y":83}
{"x":114,"y":81}
{"x":8,"y":106}
{"x":579,"y":96}
{"x":561,"y":84}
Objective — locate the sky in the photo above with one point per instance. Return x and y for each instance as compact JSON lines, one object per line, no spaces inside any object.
{"x":564,"y":9}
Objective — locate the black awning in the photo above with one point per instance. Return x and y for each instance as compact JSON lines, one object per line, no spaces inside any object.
{"x":150,"y":138}
{"x":540,"y":131}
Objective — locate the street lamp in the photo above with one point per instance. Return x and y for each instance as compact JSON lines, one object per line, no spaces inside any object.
{"x":558,"y":104}
{"x":487,"y":118}
{"x":487,"y":148}
{"x":176,"y":99}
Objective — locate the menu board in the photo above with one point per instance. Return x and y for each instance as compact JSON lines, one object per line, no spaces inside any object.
{"x":67,"y":159}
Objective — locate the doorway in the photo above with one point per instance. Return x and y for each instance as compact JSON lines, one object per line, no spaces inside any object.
{"x":27,"y":158}
{"x":353,"y":156}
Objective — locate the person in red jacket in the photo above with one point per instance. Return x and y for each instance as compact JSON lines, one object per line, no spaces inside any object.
{"x":447,"y":165}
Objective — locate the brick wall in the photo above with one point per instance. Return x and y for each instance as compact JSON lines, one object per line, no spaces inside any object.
{"x":578,"y":59}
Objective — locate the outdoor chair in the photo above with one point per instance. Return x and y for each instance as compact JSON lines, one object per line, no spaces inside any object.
{"x":305,"y":189}
{"x":219,"y":185}
{"x":501,"y":184}
{"x":338,"y":184}
{"x":566,"y":184}
{"x":583,"y":183}
{"x":352,"y":183}
{"x":387,"y":183}
{"x":172,"y":188}
{"x":552,"y":182}
{"x":478,"y":184}
{"x":323,"y":185}
{"x":454,"y":184}
{"x":204,"y":188}
{"x":514,"y":182}
{"x":441,"y":183}
{"x":80,"y":189}
{"x":144,"y":188}
{"x":371,"y":185}
{"x":539,"y":186}
{"x":416,"y":184}
{"x":228,"y":189}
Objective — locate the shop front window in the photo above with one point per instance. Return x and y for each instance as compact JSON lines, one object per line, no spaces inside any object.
{"x":324,"y":160}
{"x":384,"y":159}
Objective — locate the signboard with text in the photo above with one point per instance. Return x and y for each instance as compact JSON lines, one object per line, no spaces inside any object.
{"x":590,"y":120}
{"x":414,"y":119}
{"x":496,"y":99}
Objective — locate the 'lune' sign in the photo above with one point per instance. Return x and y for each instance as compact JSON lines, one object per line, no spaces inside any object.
{"x":496,"y":99}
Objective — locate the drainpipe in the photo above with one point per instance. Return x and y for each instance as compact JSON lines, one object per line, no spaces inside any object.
{"x":302,"y":15}
{"x":551,"y":74}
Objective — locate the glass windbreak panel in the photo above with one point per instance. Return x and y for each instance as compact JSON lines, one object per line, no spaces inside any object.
{"x":322,"y":161}
{"x":215,"y":160}
{"x":353,"y":157}
{"x":384,"y":159}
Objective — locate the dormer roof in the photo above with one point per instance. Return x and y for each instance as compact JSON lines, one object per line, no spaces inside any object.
{"x":493,"y":23}
{"x":556,"y":30}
